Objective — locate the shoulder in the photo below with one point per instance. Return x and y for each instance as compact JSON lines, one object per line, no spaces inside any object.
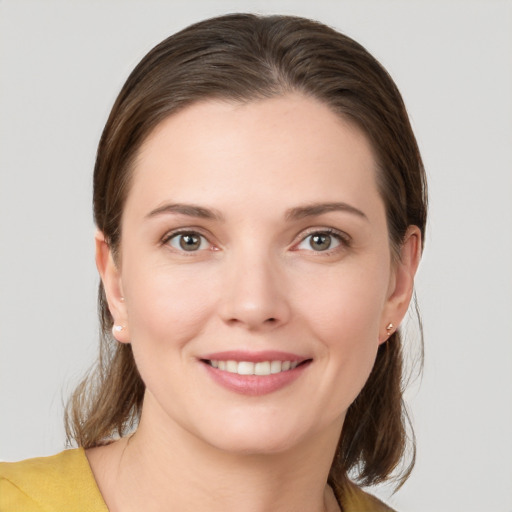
{"x":356,"y":500}
{"x":57,"y":483}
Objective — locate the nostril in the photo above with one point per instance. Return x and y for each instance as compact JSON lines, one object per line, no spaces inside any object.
{"x":270,"y":320}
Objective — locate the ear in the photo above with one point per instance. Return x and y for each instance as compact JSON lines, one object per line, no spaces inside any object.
{"x":112,"y":284}
{"x":401,"y":284}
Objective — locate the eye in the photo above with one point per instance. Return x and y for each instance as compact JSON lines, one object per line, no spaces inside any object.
{"x":320,"y":241}
{"x":188,"y":241}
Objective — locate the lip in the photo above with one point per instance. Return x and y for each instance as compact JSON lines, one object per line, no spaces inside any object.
{"x":255,"y":385}
{"x":254,"y":357}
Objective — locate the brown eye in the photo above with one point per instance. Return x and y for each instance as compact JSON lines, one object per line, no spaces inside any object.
{"x":320,"y":241}
{"x":188,"y":242}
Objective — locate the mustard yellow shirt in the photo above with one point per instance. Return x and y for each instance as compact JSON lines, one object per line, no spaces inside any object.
{"x":65,"y":483}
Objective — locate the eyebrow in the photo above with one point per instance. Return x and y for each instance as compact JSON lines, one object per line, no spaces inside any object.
{"x":190,"y":210}
{"x":297,"y":213}
{"x":314,"y":209}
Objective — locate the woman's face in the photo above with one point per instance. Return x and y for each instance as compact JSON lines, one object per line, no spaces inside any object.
{"x":254,"y":241}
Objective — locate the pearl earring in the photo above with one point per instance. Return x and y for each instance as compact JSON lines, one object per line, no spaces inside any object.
{"x":116,"y":329}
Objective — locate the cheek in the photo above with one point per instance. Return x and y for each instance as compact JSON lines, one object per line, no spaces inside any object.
{"x":348,"y":328}
{"x":165,"y":305}
{"x":345,"y":303}
{"x":344,"y":315}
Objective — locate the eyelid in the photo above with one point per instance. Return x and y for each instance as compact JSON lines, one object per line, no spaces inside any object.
{"x":189,"y":230}
{"x":343,"y":238}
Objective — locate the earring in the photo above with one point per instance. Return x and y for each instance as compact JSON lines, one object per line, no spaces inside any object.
{"x":389,"y":328}
{"x":117,"y":329}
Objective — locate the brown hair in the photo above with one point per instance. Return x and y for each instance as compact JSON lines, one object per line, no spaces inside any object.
{"x":243,"y":57}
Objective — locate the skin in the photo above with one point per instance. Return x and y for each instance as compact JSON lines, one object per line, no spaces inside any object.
{"x":255,"y":283}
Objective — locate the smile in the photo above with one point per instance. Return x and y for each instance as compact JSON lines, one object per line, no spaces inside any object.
{"x":251,"y":368}
{"x":255,"y":373}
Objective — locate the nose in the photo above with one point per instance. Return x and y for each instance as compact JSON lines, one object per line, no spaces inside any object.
{"x":255,"y":295}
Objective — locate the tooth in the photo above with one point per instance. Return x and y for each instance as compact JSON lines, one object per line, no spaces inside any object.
{"x":232,"y":366}
{"x":249,"y":368}
{"x":245,"y":368}
{"x":262,"y":368}
{"x":275,"y":366}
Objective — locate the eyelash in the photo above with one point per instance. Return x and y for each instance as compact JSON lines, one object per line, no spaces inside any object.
{"x":342,"y":238}
{"x":190,"y":231}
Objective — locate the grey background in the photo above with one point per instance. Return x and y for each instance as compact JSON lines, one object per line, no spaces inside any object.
{"x":61,"y":66}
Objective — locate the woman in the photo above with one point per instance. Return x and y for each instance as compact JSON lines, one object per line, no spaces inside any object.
{"x":261,"y":206}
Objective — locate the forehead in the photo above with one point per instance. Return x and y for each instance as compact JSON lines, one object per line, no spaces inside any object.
{"x":287,"y":149}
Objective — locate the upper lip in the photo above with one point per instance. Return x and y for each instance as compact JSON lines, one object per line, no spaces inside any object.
{"x":254,"y":357}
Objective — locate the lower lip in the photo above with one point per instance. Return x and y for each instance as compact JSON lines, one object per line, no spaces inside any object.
{"x":255,"y":385}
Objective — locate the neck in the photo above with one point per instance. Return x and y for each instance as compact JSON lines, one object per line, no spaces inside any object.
{"x":158,"y":470}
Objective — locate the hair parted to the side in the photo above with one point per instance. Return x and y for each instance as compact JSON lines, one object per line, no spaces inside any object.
{"x":244,"y":57}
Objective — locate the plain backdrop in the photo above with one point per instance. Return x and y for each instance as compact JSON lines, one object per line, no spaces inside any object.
{"x":61,"y":66}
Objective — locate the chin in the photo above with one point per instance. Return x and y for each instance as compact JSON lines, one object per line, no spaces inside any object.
{"x":259,"y":444}
{"x":252,"y":437}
